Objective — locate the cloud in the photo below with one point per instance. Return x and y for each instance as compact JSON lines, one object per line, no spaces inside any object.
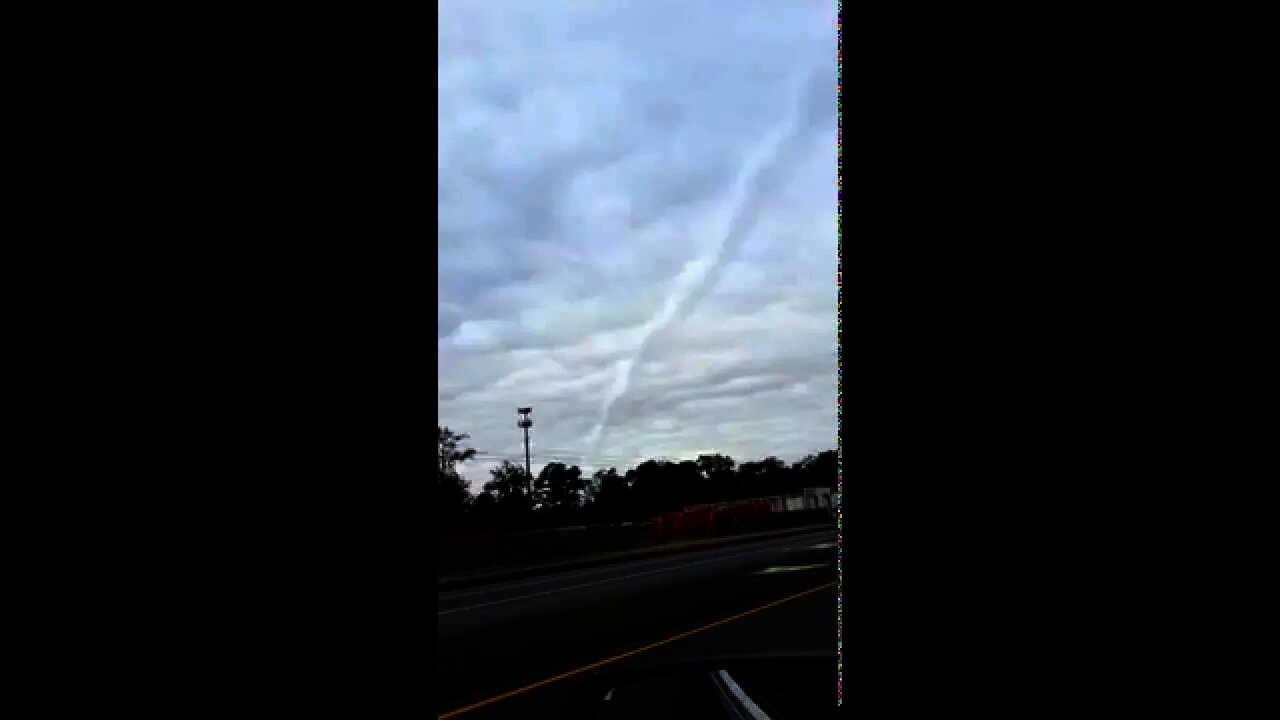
{"x":602,"y":230}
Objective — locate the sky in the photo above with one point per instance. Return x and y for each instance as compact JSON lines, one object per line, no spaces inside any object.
{"x":637,"y":229}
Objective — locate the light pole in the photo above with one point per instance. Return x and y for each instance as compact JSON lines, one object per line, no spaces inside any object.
{"x":526,"y":422}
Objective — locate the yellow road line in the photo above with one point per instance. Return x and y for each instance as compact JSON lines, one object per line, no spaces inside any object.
{"x":629,"y":653}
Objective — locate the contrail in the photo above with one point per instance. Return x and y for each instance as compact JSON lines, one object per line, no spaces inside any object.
{"x":763,"y":167}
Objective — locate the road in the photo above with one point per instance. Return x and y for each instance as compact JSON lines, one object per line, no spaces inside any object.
{"x":460,"y":610}
{"x":504,"y":638}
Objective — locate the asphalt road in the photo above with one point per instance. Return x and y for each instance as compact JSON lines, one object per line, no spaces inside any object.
{"x":461,"y":610}
{"x":505,"y":638}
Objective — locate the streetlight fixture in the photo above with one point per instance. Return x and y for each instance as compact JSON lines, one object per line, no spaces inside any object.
{"x":526,"y":422}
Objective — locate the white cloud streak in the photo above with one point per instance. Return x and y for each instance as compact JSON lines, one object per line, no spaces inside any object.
{"x":637,"y":229}
{"x":748,"y":191}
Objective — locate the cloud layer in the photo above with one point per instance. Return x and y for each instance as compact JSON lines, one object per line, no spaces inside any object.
{"x":637,"y":205}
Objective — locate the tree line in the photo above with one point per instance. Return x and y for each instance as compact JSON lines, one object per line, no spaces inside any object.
{"x":562,"y":496}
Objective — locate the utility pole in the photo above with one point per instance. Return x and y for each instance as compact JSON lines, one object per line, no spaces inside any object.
{"x":526,"y":423}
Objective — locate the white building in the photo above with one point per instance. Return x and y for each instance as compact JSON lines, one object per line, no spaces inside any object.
{"x":818,"y":497}
{"x":815,"y":498}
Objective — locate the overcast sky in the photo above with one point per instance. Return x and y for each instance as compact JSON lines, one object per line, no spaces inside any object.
{"x":637,"y":229}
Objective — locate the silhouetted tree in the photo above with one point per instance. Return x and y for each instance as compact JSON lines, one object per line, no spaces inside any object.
{"x":558,"y":491}
{"x":718,"y":470}
{"x":634,"y":508}
{"x":610,"y":495}
{"x":512,"y":492}
{"x":655,"y":489}
{"x":452,"y":490}
{"x":689,"y":484}
{"x":448,"y":453}
{"x":819,"y":470}
{"x":484,"y":511}
{"x":561,"y":496}
{"x":775,"y":477}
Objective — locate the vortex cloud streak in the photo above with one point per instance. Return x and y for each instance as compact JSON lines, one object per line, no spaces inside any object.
{"x":762,"y":168}
{"x":636,"y":230}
